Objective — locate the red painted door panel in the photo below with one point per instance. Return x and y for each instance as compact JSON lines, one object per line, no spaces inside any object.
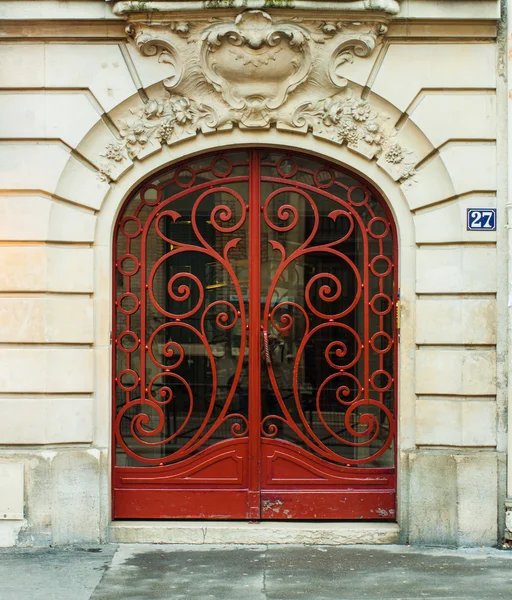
{"x":254,"y":343}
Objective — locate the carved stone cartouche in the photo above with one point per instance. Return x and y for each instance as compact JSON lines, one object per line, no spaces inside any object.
{"x":255,"y":63}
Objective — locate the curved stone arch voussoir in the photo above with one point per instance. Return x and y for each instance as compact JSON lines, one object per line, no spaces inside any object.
{"x":350,"y":125}
{"x":238,"y":138}
{"x":242,"y":138}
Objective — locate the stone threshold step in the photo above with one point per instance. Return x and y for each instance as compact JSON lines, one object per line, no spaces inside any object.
{"x":235,"y":532}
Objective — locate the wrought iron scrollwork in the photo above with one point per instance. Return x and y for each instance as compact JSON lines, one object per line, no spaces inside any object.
{"x":164,"y":314}
{"x":157,"y":348}
{"x":353,"y":381}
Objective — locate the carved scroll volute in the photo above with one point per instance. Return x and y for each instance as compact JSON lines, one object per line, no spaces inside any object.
{"x":158,"y":41}
{"x":255,"y":64}
{"x":356,"y":39}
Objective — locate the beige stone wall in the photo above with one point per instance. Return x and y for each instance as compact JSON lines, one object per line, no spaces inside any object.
{"x":70,"y":84}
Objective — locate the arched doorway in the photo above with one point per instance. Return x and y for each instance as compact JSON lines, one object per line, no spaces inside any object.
{"x":254,"y":343}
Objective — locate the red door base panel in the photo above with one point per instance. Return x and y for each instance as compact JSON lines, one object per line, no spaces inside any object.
{"x":328,"y":505}
{"x":294,"y":485}
{"x":209,"y":485}
{"x":297,"y":485}
{"x":181,"y":504}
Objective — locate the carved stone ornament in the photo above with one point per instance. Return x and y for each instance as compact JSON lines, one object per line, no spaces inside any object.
{"x":255,"y":70}
{"x":255,"y":63}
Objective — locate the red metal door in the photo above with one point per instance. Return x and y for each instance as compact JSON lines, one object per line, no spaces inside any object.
{"x":254,"y":343}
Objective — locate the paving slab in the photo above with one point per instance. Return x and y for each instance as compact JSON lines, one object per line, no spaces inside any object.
{"x":52,"y":573}
{"x":140,"y":572}
{"x":192,"y":572}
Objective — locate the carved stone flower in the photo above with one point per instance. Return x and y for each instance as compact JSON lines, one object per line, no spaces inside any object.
{"x":334,"y":112}
{"x":104,"y":172}
{"x":371,"y":133}
{"x":408,"y":171}
{"x":114,"y":151}
{"x":394,"y":154}
{"x":153,"y":108}
{"x":180,"y":109}
{"x":137,"y":134}
{"x":347,"y":131}
{"x":361,"y":110}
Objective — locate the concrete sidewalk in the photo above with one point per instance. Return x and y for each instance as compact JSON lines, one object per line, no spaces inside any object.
{"x":157,"y":572}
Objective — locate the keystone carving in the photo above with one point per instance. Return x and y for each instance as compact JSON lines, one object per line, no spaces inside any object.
{"x":255,"y":64}
{"x":255,"y":71}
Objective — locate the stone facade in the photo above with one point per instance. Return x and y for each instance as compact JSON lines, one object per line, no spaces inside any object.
{"x":96,"y":96}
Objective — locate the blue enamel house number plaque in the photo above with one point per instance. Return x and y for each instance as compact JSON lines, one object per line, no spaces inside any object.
{"x":481,"y":219}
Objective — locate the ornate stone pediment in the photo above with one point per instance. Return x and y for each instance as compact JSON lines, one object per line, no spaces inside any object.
{"x":255,"y":70}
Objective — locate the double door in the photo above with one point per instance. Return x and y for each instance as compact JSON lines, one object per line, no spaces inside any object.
{"x":254,"y":343}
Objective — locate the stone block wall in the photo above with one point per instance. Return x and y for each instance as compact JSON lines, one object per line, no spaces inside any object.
{"x":72,"y":83}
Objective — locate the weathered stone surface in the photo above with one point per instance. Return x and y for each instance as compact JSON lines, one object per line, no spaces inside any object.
{"x":444,"y":116}
{"x":102,"y":70}
{"x":22,"y":65}
{"x":55,"y":319}
{"x":46,"y":370}
{"x":472,"y":167}
{"x":46,"y":269}
{"x":477,"y":499}
{"x":32,"y":166}
{"x":434,"y":66}
{"x":51,"y":115}
{"x":456,"y":372}
{"x":76,"y":497}
{"x":455,"y":423}
{"x":81,"y":185}
{"x":456,"y":320}
{"x":62,"y":497}
{"x":34,"y":218}
{"x":193,"y":532}
{"x":46,"y":420}
{"x":453,"y":499}
{"x":433,"y":499}
{"x":456,"y":269}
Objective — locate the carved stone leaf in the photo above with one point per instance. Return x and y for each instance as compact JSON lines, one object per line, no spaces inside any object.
{"x":354,"y":40}
{"x":158,"y":41}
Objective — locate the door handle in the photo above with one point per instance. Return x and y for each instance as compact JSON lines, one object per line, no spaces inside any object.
{"x":266,"y":347}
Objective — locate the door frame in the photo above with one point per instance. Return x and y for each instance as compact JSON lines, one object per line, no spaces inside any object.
{"x":324,"y":149}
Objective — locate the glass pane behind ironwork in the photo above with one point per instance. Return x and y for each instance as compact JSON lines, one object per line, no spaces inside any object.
{"x":327,"y":376}
{"x":181,"y":388}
